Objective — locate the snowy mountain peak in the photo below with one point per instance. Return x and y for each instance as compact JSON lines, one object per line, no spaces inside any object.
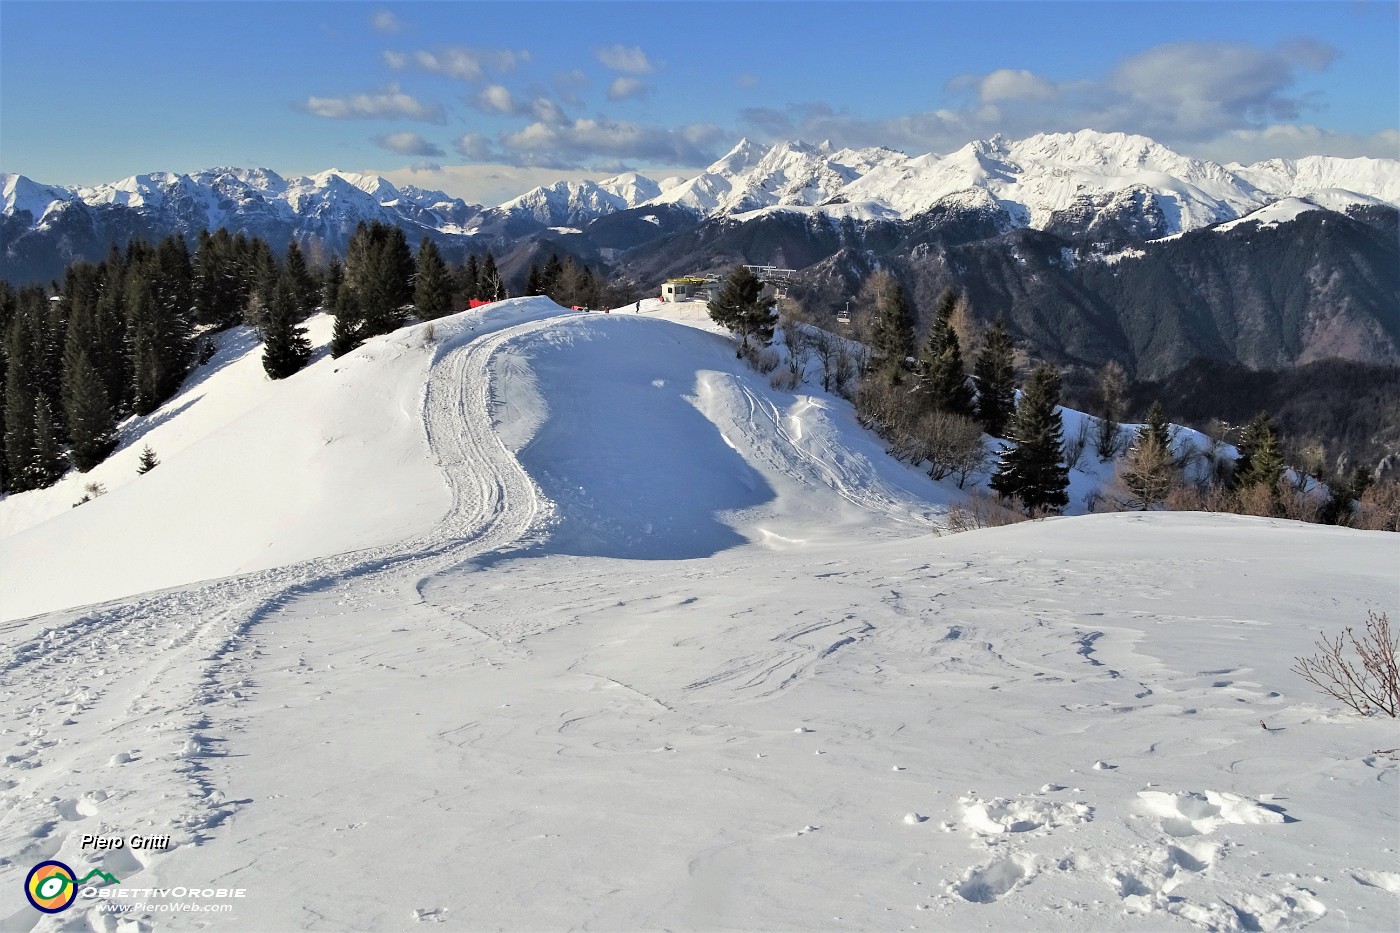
{"x":22,"y":194}
{"x":744,"y":154}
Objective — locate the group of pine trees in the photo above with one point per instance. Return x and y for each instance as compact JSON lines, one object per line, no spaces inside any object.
{"x":381,"y":283}
{"x":567,"y":283}
{"x":931,"y":410}
{"x":1256,"y":481}
{"x":118,"y":337}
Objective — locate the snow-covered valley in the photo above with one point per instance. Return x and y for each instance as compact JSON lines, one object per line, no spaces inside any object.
{"x":528,"y":619}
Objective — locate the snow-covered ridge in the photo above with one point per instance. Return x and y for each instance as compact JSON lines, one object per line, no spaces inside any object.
{"x":567,"y":203}
{"x":1034,"y":182}
{"x":216,"y":196}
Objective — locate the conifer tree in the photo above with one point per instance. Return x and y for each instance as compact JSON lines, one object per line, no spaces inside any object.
{"x":33,"y":355}
{"x":261,"y":273}
{"x":92,"y":427}
{"x":286,"y":348}
{"x":432,"y":289}
{"x":303,"y":282}
{"x":1156,"y":427}
{"x":7,"y":311}
{"x":379,"y":272}
{"x":892,"y":336}
{"x":148,"y":460}
{"x":468,"y":279}
{"x":20,"y":399}
{"x":549,"y":275}
{"x":330,"y":288}
{"x":1148,"y":473}
{"x":148,"y":367}
{"x":1261,"y":455}
{"x":345,"y":335}
{"x":589,"y":292}
{"x":995,"y":373}
{"x":1033,"y":470}
{"x":491,"y":286}
{"x":111,"y":356}
{"x":943,"y":380}
{"x":741,"y":308}
{"x":48,"y":464}
{"x":173,"y":279}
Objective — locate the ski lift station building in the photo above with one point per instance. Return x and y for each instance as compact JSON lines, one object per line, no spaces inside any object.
{"x":686,"y":288}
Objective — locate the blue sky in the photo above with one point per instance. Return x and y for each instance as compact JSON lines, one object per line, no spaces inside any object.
{"x":486,"y":99}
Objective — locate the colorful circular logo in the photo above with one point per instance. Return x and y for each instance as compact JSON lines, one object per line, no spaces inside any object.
{"x":51,"y":887}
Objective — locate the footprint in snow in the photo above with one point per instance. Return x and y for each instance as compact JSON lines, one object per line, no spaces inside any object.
{"x":434,"y":914}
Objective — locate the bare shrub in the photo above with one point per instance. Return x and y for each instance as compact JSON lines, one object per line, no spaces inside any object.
{"x":1077,"y":443}
{"x":952,"y":445}
{"x":1258,"y":499}
{"x":796,"y":336}
{"x":91,"y":491}
{"x":785,"y":380}
{"x":1371,"y":683}
{"x":1113,"y":384}
{"x":762,"y":359}
{"x":981,"y":510}
{"x":1197,"y":498}
{"x":837,"y":358}
{"x":1378,"y":509}
{"x":1300,"y":503}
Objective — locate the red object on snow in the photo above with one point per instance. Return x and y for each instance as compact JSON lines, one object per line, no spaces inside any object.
{"x":474,"y":303}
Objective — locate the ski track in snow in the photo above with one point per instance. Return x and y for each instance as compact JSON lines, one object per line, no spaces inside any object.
{"x":202,"y":629}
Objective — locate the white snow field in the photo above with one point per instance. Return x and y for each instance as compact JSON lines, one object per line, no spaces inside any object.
{"x":535,"y":620}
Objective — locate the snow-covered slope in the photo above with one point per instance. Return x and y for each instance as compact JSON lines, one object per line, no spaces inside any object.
{"x":1279,"y":212}
{"x":627,"y":639}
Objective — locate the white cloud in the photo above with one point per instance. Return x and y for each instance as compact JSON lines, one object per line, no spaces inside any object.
{"x":1005,"y":84}
{"x":390,"y":103}
{"x":1225,"y":101}
{"x":626,"y":88}
{"x":458,"y":61}
{"x":1293,"y":141}
{"x":494,"y":98}
{"x":408,"y":144}
{"x":602,"y":141}
{"x":568,"y":84}
{"x":627,"y":58}
{"x":386,"y":23}
{"x":477,"y":147}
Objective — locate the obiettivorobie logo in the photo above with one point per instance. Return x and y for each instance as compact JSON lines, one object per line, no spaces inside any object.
{"x":53,"y":886}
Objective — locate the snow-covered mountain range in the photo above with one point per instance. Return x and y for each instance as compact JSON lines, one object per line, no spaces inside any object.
{"x":1032,"y":182}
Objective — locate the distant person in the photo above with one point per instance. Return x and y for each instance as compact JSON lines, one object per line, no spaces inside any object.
{"x":639,"y":307}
